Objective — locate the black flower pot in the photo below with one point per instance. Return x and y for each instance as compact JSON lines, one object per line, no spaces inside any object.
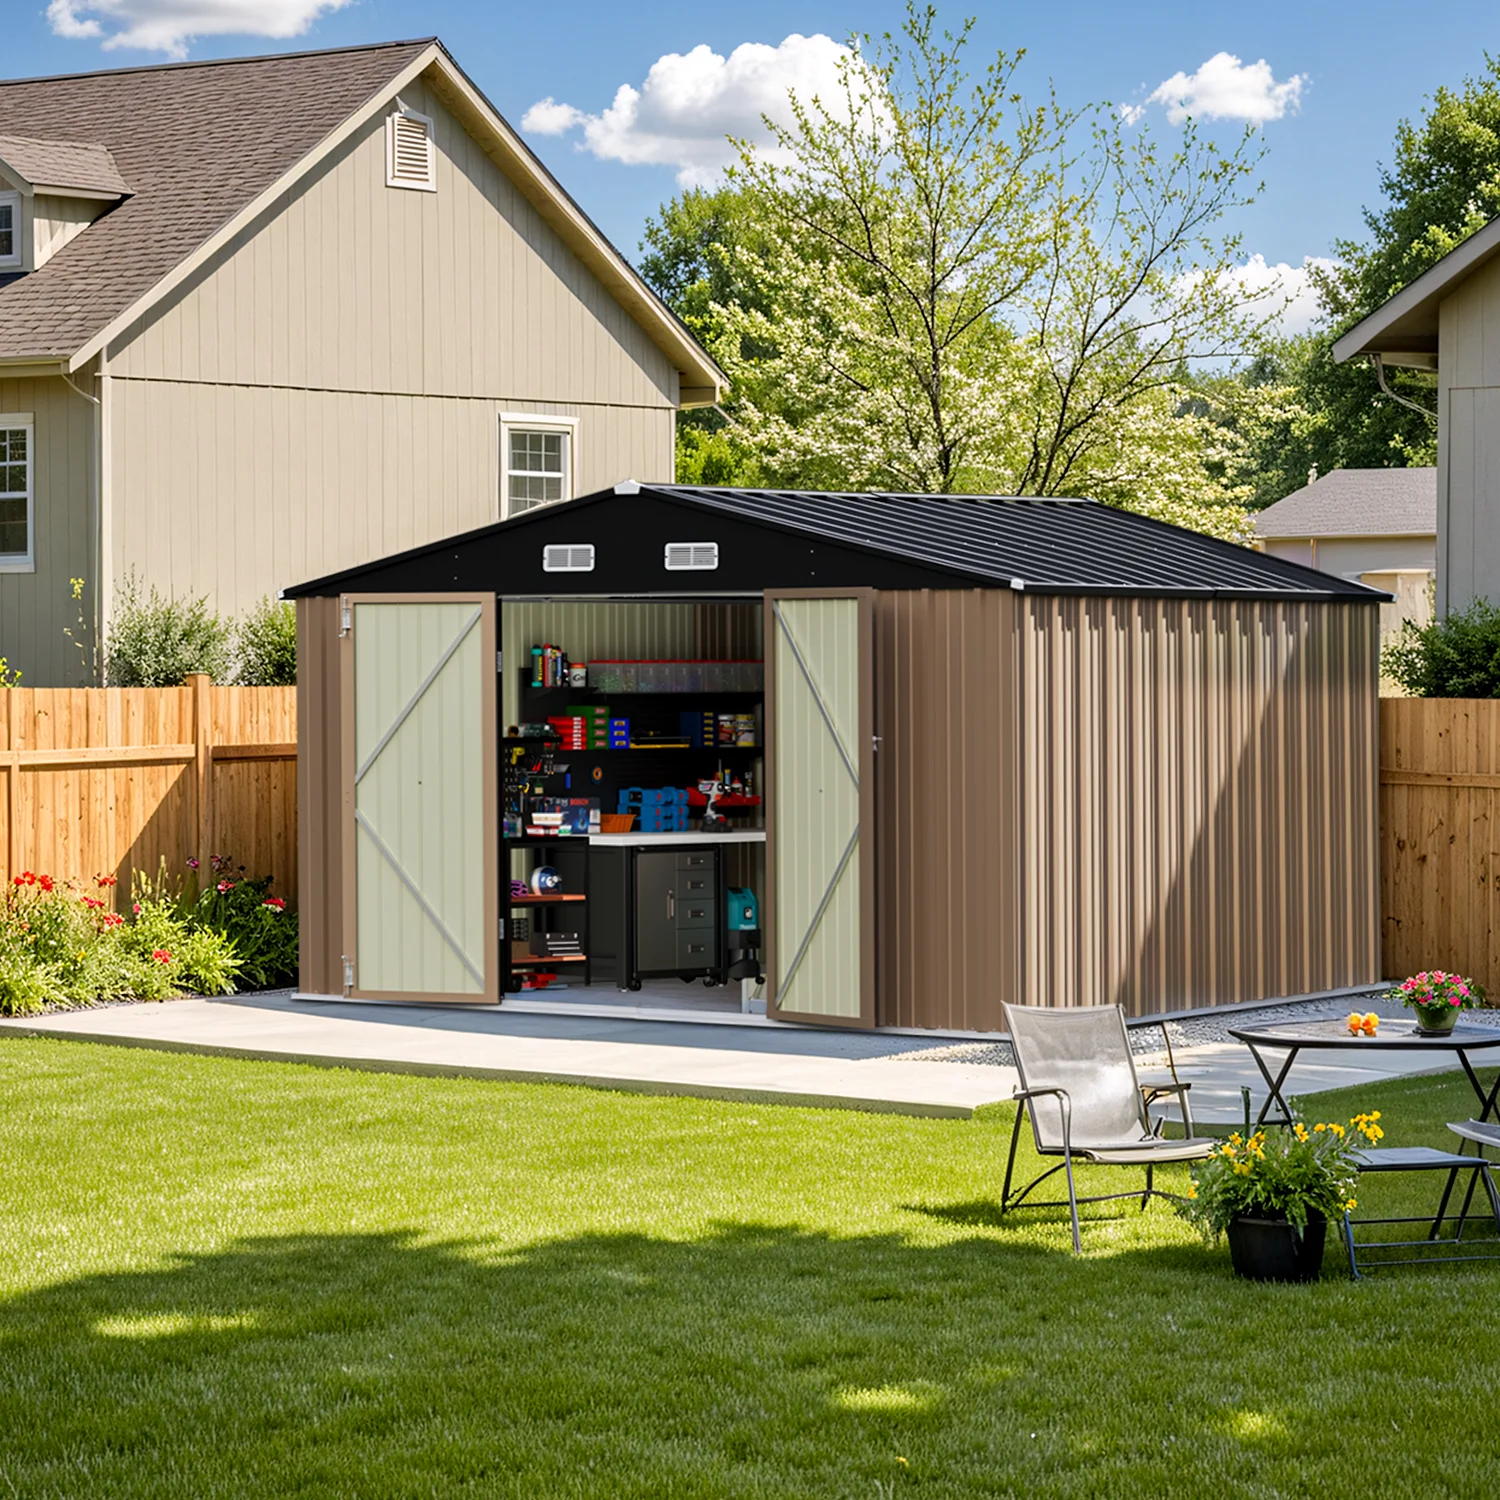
{"x":1272,"y":1250}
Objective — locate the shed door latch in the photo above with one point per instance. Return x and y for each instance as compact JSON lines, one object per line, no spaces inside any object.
{"x":348,"y":975}
{"x":346,"y":616}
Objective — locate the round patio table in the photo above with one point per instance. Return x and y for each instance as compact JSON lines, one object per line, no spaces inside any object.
{"x":1395,"y":1035}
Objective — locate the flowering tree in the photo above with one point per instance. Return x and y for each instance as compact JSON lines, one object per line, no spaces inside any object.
{"x":952,"y":295}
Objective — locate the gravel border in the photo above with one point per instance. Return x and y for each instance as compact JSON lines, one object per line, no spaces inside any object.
{"x":1197,"y":1031}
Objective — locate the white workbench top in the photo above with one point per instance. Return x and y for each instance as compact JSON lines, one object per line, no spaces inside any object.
{"x":690,"y":836}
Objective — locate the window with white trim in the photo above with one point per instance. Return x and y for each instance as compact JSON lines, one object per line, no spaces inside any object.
{"x":17,"y":472}
{"x":538,"y":463}
{"x":10,"y":231}
{"x":410,"y":156}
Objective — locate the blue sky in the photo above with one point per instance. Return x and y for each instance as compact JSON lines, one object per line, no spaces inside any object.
{"x":1337,"y":76}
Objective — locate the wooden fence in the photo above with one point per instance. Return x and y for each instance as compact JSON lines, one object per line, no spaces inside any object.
{"x":1440,"y":836}
{"x":111,"y":780}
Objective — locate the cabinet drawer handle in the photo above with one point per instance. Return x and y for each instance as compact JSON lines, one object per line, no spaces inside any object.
{"x":671,"y":906}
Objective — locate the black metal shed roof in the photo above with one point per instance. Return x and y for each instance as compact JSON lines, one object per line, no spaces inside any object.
{"x":1045,"y":546}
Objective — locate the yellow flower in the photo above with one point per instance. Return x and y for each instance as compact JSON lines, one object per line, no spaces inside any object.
{"x":1242,"y":1169}
{"x":1351,"y":1203}
{"x":1319,"y":1127}
{"x":1300,"y":1131}
{"x":1192,"y":1191}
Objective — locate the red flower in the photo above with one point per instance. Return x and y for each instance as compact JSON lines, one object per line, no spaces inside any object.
{"x":45,"y":881}
{"x":161,"y":955}
{"x":275,"y":903}
{"x":102,"y":881}
{"x":135,"y":906}
{"x":92,"y":902}
{"x":112,"y":919}
{"x":224,"y":887}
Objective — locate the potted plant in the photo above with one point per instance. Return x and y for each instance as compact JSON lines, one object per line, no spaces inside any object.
{"x":1273,"y":1192}
{"x":1438,"y":998}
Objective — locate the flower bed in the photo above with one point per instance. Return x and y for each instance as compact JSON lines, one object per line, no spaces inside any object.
{"x":63,"y":944}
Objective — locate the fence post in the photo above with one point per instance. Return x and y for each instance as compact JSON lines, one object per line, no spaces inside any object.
{"x":203,"y":771}
{"x":12,"y":789}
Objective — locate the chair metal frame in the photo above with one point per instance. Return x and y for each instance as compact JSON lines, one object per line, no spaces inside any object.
{"x":1024,"y":1097}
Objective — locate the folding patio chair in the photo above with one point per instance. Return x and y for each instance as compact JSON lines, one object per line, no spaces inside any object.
{"x":1080,"y":1092}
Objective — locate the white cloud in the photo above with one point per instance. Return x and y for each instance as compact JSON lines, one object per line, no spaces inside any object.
{"x":1224,"y":88}
{"x":170,"y":25}
{"x":1274,"y":285}
{"x":691,"y":102}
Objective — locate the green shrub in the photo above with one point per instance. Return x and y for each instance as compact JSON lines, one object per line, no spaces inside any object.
{"x":156,"y":642}
{"x":25,"y":985}
{"x":266,"y":640}
{"x":260,"y":927}
{"x":1457,"y":657}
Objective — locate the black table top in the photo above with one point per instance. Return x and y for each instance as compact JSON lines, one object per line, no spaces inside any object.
{"x":1395,"y":1034}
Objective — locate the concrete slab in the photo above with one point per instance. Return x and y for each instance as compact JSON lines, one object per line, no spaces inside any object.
{"x":766,"y":1065}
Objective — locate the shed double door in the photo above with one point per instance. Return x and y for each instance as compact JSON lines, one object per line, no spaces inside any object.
{"x":421,"y":907}
{"x":820,"y":822}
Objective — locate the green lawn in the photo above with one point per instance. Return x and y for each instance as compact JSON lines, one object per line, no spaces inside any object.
{"x":236,"y":1278}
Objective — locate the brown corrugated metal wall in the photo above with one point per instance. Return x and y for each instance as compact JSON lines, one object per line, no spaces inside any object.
{"x":320,"y":754}
{"x":1164,"y":803}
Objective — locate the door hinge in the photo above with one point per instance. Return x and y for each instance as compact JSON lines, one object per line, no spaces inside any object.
{"x":502,"y":929}
{"x":346,"y":617}
{"x":348,"y":975}
{"x":875,"y":740}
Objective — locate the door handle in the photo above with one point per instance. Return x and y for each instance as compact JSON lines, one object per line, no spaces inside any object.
{"x":671,"y":906}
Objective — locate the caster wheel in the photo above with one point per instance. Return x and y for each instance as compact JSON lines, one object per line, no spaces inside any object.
{"x":635,"y":984}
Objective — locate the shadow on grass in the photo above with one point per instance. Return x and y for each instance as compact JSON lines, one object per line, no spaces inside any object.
{"x":755,"y":1359}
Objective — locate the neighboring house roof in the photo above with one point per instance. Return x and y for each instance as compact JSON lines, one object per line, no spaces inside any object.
{"x":206,"y":146}
{"x":1404,"y":330}
{"x":1050,"y":546}
{"x":1356,"y":502}
{"x":83,"y":166}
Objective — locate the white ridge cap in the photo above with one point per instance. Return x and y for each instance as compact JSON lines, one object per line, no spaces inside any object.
{"x":628,"y":487}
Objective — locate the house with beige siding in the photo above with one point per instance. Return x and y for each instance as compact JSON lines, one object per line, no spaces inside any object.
{"x":1448,"y":321}
{"x":264,"y":319}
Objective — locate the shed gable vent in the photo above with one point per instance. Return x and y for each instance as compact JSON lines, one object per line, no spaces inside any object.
{"x":410,"y":160}
{"x":692,"y":557}
{"x":568,"y":557}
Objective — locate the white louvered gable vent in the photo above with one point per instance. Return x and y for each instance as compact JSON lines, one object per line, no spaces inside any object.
{"x":568,"y":557}
{"x":692,"y":557}
{"x":410,"y":159}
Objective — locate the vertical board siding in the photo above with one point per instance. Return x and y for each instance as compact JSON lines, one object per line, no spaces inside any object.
{"x":320,"y":770}
{"x":346,"y":284}
{"x":1439,"y":809}
{"x":36,"y":607}
{"x":1160,"y":803}
{"x":1468,"y":445}
{"x":227,"y":781}
{"x":240,"y":491}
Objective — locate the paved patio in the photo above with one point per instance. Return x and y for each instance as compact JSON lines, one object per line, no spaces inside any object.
{"x":771,"y":1064}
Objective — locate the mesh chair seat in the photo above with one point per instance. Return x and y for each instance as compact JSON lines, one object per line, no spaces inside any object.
{"x":1139,"y":1153}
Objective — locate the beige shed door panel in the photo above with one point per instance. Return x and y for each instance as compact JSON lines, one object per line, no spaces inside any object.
{"x":420,"y":798}
{"x":821,"y":864}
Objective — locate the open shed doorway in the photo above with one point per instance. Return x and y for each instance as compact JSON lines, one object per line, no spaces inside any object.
{"x":623,"y":719}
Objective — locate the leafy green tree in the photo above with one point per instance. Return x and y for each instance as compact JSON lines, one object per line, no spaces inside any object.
{"x":1443,"y":183}
{"x":266,"y":644}
{"x":928,"y":284}
{"x":158,"y":642}
{"x":1456,"y":657}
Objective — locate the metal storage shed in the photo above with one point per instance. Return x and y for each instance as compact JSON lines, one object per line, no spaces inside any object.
{"x":1043,"y":750}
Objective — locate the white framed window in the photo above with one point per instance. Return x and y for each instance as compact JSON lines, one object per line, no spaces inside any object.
{"x":17,"y":488}
{"x":410,"y":155}
{"x":536,"y":460}
{"x":10,"y":231}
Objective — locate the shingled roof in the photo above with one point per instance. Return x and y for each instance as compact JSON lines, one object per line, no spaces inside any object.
{"x":83,"y":166}
{"x":1356,"y":502}
{"x":197,"y":143}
